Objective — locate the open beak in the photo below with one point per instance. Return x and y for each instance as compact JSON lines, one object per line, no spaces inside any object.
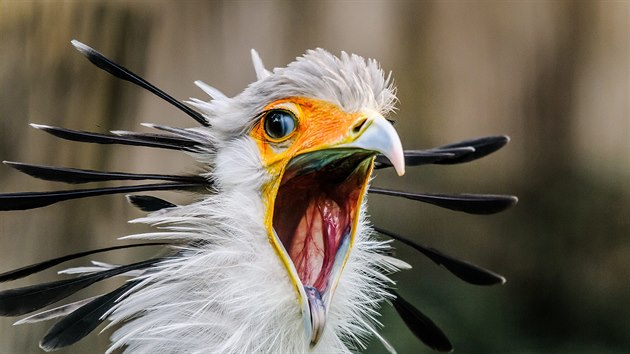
{"x":316,"y":210}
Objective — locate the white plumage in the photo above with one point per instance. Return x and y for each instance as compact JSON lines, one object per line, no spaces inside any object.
{"x":231,"y":294}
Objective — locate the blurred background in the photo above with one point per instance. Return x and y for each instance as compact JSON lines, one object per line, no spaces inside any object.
{"x":553,"y":75}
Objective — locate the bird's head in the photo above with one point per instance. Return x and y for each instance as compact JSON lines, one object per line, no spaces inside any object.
{"x":313,"y":130}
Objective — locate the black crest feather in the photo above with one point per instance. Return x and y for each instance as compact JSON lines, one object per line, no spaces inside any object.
{"x":78,"y":176}
{"x":82,"y":321}
{"x":461,"y":152}
{"x":31,"y":200}
{"x":482,"y":147}
{"x":20,"y":301}
{"x":181,"y":142}
{"x":467,"y":272}
{"x":421,"y":325}
{"x":107,"y":139}
{"x":149,"y":203}
{"x":467,"y":203}
{"x":121,"y":72}
{"x":38,"y":267}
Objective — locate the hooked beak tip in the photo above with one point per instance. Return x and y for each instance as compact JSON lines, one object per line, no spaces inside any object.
{"x":399,"y":167}
{"x":380,"y":136}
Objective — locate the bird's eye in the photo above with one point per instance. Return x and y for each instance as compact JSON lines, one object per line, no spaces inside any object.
{"x":279,"y":124}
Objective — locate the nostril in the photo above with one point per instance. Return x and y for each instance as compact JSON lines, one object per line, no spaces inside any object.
{"x":357,"y":127}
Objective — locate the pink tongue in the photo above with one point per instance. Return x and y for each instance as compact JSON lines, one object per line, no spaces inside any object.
{"x":316,"y":241}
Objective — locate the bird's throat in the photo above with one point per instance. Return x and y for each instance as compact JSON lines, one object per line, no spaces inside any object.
{"x":313,"y":245}
{"x":315,"y":216}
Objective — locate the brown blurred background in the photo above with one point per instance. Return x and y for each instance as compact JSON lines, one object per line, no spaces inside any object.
{"x":553,"y":75}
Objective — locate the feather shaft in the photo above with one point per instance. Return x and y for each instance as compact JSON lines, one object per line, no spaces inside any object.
{"x":55,"y":312}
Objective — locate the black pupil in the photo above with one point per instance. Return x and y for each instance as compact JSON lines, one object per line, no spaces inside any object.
{"x":279,"y":124}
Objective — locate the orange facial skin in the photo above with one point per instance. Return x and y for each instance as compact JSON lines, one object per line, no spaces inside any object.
{"x":319,"y":125}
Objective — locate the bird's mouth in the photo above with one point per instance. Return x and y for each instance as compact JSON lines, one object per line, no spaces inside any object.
{"x":316,"y":211}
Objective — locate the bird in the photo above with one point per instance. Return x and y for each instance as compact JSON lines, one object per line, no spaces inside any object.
{"x":276,"y":254}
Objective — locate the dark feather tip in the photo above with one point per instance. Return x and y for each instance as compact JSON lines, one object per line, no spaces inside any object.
{"x":149,"y":203}
{"x":482,"y":147}
{"x":467,"y":203}
{"x":121,"y":72}
{"x":463,"y":151}
{"x":465,"y":271}
{"x":81,"y":321}
{"x":421,"y":325}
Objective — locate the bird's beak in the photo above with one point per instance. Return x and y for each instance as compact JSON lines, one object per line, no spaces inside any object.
{"x":314,"y":208}
{"x":377,"y":134}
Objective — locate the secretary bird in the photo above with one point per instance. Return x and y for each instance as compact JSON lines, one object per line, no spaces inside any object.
{"x":276,"y":254}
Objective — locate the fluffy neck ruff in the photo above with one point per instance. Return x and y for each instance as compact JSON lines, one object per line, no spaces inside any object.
{"x":228,"y":292}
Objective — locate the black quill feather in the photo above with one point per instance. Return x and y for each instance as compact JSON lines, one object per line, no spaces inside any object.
{"x":414,"y":158}
{"x":465,"y":271}
{"x":31,"y":200}
{"x":467,"y":203}
{"x":82,"y":321}
{"x":20,"y":301}
{"x":159,"y":138}
{"x":421,"y":325}
{"x":461,"y":152}
{"x":482,"y":147}
{"x":38,"y":267}
{"x":97,"y":138}
{"x":78,"y":176}
{"x":149,"y":203}
{"x":121,"y":72}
